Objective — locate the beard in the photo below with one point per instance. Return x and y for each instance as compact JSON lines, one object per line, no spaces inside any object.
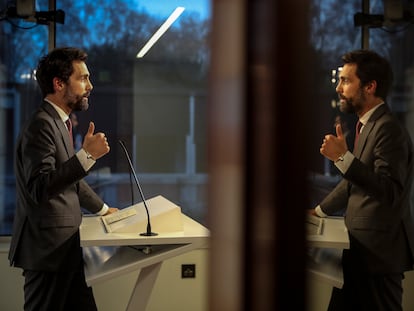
{"x":352,"y":104}
{"x":82,"y":104}
{"x":78,"y":102}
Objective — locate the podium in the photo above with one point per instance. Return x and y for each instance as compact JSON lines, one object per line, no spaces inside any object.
{"x":108,"y":255}
{"x":325,"y":251}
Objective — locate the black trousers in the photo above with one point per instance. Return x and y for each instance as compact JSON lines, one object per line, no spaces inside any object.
{"x":61,"y":290}
{"x":363,"y":291}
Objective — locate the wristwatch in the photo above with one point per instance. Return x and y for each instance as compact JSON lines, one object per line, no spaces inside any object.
{"x":89,"y":156}
{"x":340,"y":158}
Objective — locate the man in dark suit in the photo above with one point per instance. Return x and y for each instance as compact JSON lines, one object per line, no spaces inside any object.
{"x":51,"y":191}
{"x":375,"y":190}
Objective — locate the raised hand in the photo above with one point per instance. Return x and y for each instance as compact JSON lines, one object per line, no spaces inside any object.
{"x":334,"y":146}
{"x":95,"y":144}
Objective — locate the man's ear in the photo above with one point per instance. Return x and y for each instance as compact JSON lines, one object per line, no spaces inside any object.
{"x":371,"y":87}
{"x":58,"y":84}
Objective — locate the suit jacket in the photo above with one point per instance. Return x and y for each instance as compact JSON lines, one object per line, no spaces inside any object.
{"x":375,"y":193}
{"x":50,"y":192}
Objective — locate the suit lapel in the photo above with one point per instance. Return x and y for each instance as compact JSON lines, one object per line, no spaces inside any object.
{"x":368,"y":128}
{"x":64,"y":134}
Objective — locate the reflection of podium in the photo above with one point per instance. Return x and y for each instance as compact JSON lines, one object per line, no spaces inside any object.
{"x":325,"y":251}
{"x":109,"y":255}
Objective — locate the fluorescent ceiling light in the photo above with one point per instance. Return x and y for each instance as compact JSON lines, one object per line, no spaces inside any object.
{"x":164,"y":27}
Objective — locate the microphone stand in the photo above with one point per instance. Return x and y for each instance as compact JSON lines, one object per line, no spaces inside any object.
{"x":131,"y":167}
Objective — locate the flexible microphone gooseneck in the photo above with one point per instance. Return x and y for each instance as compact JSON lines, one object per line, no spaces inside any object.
{"x":131,"y":167}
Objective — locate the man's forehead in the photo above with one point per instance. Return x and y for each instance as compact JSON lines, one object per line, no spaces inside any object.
{"x":349,"y":69}
{"x":79,"y":67}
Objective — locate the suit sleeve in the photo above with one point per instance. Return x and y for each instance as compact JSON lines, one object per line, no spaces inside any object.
{"x":88,"y":198}
{"x":45,"y":164}
{"x":336,"y":201}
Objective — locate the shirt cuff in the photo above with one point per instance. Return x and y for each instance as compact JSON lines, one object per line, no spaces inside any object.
{"x":319,"y":212}
{"x":85,"y":159}
{"x":103,"y":210}
{"x":345,"y":162}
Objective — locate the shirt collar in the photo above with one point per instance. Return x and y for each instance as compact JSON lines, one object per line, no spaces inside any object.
{"x":59,"y":110}
{"x":364,"y":119}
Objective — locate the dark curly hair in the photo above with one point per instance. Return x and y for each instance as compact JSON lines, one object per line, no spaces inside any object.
{"x":371,"y":67}
{"x":57,"y":64}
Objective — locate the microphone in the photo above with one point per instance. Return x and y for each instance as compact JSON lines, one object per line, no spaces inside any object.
{"x":131,"y":167}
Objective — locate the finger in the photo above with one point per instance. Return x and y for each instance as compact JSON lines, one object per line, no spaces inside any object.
{"x":91,"y":128}
{"x":339,"y":133}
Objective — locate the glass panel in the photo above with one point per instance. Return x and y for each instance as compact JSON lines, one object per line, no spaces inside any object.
{"x":22,"y":43}
{"x":155,"y":104}
{"x":334,"y":33}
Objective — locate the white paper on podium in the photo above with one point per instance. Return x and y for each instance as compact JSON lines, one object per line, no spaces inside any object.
{"x":165,"y":216}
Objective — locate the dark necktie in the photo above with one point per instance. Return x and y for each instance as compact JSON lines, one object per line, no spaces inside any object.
{"x":357,"y":131}
{"x":69,"y":125}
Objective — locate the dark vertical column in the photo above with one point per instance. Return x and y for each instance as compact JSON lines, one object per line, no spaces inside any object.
{"x":52,"y":27}
{"x":226,"y":155}
{"x":258,"y":146}
{"x":278,"y":101}
{"x":365,"y":29}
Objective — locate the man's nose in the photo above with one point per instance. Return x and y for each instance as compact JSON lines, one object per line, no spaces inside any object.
{"x":338,"y":88}
{"x":90,"y":86}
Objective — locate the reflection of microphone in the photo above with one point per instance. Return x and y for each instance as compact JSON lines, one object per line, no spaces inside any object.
{"x":131,"y":167}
